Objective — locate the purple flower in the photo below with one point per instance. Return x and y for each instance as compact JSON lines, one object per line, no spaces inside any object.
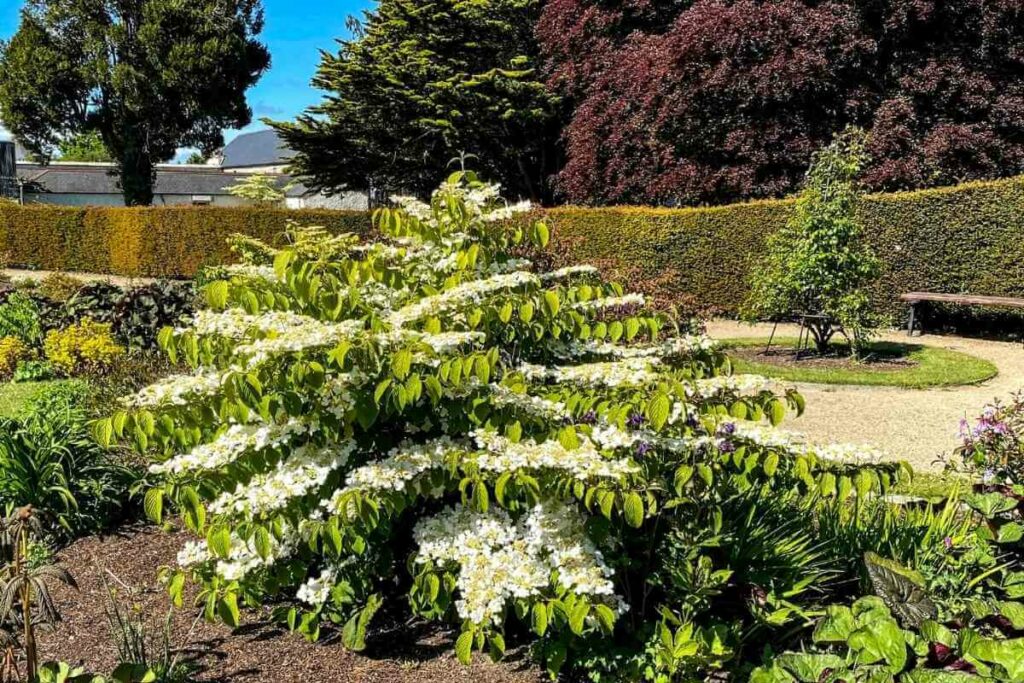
{"x":589,"y":417}
{"x":643,"y":448}
{"x":948,"y":542}
{"x":727,"y":428}
{"x":726,"y":446}
{"x":636,"y":420}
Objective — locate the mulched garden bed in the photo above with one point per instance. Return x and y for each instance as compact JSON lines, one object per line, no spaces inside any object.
{"x":787,"y":357}
{"x":256,"y":651}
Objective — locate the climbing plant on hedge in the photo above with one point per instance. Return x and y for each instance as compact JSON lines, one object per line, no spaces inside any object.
{"x":515,"y":451}
{"x":819,"y":264}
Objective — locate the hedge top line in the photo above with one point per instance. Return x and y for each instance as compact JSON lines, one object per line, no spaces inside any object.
{"x":901,"y":196}
{"x":904,"y":195}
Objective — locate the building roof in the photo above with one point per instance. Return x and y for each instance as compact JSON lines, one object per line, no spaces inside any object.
{"x":85,"y":178}
{"x":262,"y":148}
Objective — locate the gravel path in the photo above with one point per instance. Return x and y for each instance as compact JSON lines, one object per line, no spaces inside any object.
{"x":916,"y":425}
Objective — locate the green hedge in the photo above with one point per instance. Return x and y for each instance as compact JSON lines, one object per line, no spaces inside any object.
{"x":145,"y":242}
{"x":968,"y":238}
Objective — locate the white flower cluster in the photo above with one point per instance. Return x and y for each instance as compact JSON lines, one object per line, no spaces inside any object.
{"x":849,"y":454}
{"x":511,"y":265}
{"x":499,"y":559}
{"x":316,"y":590}
{"x":737,"y":385}
{"x":504,"y":213}
{"x":251,"y":272}
{"x":460,"y":295}
{"x":401,"y":465}
{"x":231,"y":444}
{"x":304,"y":470}
{"x":624,"y":372}
{"x":795,"y":444}
{"x":243,"y":556}
{"x":527,"y":403}
{"x":679,"y":347}
{"x":299,"y":338}
{"x":234,"y":323}
{"x":568,"y":272}
{"x":585,"y":462}
{"x":176,"y":390}
{"x":446,"y":342}
{"x":611,"y":302}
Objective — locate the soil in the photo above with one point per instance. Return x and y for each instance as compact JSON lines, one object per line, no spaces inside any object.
{"x":258,"y":650}
{"x":789,"y":357}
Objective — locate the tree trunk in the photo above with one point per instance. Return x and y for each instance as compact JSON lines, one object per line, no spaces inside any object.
{"x":136,"y":171}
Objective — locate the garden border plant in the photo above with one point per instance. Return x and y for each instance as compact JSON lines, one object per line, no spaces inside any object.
{"x":535,"y":456}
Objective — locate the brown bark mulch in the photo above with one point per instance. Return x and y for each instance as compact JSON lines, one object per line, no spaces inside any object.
{"x":258,"y":650}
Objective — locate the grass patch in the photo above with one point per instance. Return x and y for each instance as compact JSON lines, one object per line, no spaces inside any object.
{"x":14,"y":395}
{"x":934,"y":485}
{"x":912,"y":366}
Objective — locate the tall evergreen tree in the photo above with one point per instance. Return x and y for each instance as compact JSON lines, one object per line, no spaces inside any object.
{"x":423,"y":83}
{"x":148,"y":75}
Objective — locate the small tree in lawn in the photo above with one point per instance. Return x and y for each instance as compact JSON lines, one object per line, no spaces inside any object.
{"x":818,"y":264}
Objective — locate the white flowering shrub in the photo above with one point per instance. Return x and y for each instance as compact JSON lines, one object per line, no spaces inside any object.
{"x":422,"y":414}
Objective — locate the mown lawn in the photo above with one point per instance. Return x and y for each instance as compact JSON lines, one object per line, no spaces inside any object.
{"x":14,"y":395}
{"x":923,"y":366}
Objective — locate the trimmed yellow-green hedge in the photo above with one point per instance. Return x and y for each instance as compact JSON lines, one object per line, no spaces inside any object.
{"x":145,"y":242}
{"x":968,"y":238}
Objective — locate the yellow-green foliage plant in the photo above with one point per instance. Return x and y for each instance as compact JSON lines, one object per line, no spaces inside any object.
{"x":12,"y":351}
{"x":85,"y":347}
{"x":59,"y":286}
{"x":427,"y":420}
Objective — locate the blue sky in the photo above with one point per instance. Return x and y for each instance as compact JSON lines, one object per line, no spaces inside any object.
{"x":295,"y":31}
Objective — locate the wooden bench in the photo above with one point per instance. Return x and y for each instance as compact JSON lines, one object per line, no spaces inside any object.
{"x":914,"y":298}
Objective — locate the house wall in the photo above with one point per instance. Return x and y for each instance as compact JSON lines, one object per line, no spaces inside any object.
{"x":118,"y":199}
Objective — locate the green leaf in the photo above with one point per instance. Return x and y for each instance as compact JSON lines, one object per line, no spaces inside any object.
{"x":605,"y":617}
{"x":578,"y":616}
{"x":539,"y":618}
{"x":776,"y":412}
{"x":227,"y":608}
{"x":633,"y":509}
{"x":543,"y":234}
{"x":261,"y":541}
{"x":552,"y":303}
{"x":401,"y":363}
{"x":153,"y":505}
{"x":658,"y":409}
{"x":464,"y":647}
{"x":353,"y":634}
{"x":526,"y":312}
{"x":218,"y":540}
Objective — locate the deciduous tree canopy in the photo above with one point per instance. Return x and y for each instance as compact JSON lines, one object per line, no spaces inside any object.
{"x":679,"y":101}
{"x":148,"y":75}
{"x":422,"y":83}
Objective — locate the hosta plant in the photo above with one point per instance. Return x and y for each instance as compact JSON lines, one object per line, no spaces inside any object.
{"x":517,"y":452}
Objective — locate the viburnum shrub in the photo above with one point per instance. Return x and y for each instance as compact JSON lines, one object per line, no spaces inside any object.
{"x":529,"y":454}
